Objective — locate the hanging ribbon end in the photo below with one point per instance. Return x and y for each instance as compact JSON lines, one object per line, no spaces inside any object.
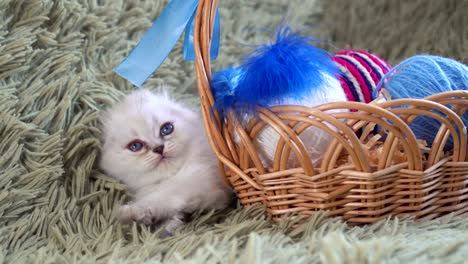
{"x":161,"y":38}
{"x":123,"y":71}
{"x":189,"y":49}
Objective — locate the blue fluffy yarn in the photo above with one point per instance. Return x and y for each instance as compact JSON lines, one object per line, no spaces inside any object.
{"x":223,"y":85}
{"x":421,"y":76}
{"x":288,"y":67}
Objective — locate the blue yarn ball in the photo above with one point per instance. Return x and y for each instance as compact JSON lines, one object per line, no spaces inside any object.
{"x":421,"y":76}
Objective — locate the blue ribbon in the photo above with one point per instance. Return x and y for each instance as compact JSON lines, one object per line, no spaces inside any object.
{"x":160,"y":39}
{"x":189,"y":51}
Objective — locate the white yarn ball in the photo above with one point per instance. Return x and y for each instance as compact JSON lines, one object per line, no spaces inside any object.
{"x":315,"y":140}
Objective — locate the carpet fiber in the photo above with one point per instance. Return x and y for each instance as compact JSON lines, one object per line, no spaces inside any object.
{"x":56,"y":61}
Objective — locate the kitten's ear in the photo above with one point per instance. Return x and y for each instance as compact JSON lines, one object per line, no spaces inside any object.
{"x":163,"y":90}
{"x":107,"y":135}
{"x":105,"y":119}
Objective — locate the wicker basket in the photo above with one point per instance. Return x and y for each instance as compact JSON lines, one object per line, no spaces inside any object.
{"x":361,"y":190}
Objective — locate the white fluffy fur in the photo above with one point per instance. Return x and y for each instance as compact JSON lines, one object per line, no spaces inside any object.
{"x":186,"y":179}
{"x":316,"y":140}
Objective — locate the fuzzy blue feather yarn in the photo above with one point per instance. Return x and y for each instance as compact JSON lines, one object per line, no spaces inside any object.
{"x":421,"y":76}
{"x":287,"y":67}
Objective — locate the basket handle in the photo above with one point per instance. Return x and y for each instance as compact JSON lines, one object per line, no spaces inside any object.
{"x":202,"y":35}
{"x":204,"y":19}
{"x":449,"y":122}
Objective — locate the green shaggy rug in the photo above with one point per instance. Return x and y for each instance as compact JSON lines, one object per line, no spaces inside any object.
{"x":56,"y":61}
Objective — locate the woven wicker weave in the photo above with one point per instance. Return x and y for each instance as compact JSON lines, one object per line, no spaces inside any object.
{"x":363,"y":189}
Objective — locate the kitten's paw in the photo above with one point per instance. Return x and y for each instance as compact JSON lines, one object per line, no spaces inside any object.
{"x":131,"y":213}
{"x":171,"y":225}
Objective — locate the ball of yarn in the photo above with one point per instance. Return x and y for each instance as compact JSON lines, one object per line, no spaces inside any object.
{"x":288,"y":70}
{"x":360,"y":73}
{"x":421,"y":76}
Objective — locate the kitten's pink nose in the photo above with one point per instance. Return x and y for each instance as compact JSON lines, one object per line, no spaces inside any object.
{"x":159,"y":149}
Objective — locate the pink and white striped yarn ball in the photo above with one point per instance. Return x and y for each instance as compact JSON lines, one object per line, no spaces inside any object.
{"x":361,"y":73}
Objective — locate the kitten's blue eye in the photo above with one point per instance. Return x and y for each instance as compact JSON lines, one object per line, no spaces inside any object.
{"x":166,"y":129}
{"x":135,"y":145}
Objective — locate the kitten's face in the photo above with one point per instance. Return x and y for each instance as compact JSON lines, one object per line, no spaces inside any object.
{"x":146,"y":138}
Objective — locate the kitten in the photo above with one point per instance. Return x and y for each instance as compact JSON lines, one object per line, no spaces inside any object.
{"x":158,"y":148}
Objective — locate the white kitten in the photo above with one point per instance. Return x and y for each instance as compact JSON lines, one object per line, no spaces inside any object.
{"x":159,"y":149}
